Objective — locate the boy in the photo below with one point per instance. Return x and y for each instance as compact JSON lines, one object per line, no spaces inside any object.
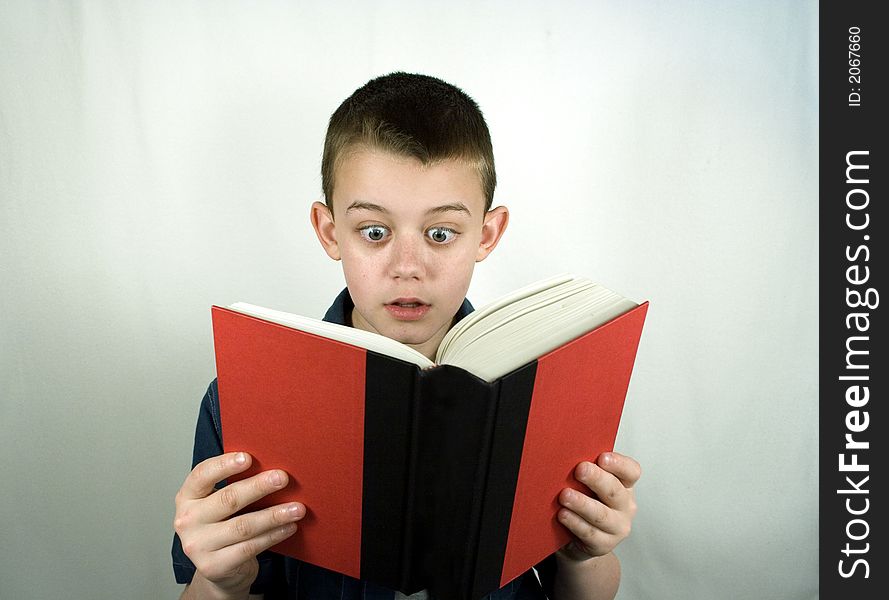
{"x":408,"y":179}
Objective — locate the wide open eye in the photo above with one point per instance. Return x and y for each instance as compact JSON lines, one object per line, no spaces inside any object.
{"x":441,"y":235}
{"x":374,"y":233}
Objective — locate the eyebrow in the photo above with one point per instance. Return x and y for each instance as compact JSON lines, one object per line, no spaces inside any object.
{"x":366,"y":206}
{"x":453,"y":207}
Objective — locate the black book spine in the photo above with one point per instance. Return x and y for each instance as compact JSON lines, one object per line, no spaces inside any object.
{"x":455,"y":419}
{"x":442,"y":454}
{"x":389,"y":429}
{"x":510,"y":422}
{"x":483,"y":474}
{"x":409,"y":578}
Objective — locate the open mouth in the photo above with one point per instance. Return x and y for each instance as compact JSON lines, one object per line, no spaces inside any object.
{"x":410,"y":302}
{"x":407,"y":309}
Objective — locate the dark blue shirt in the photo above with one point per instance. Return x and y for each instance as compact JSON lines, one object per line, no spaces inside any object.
{"x":285,"y":577}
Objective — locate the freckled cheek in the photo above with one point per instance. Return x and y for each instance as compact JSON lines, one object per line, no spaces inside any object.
{"x":362,"y":259}
{"x":457,"y":269}
{"x":362,"y":273}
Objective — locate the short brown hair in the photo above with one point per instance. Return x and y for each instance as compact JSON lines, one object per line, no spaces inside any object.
{"x":411,"y":115}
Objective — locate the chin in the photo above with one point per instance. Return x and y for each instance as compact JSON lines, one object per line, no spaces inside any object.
{"x":412,"y":335}
{"x":409,"y":338}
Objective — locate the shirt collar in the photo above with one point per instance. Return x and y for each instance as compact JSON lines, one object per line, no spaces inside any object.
{"x":341,"y":309}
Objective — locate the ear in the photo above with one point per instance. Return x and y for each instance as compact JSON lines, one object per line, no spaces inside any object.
{"x":493,"y":227}
{"x":325,"y":229}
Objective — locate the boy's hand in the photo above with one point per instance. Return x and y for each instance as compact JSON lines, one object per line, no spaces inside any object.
{"x":223,"y":548}
{"x":602,"y":519}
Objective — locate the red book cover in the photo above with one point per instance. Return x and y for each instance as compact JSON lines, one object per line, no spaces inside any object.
{"x":277,"y":388}
{"x":576,"y":405}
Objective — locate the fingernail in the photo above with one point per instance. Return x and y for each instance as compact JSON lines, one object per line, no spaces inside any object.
{"x":275,"y":478}
{"x":240,"y":458}
{"x":295,"y":511}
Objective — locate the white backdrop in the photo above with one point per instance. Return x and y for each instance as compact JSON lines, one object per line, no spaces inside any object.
{"x":159,"y":157}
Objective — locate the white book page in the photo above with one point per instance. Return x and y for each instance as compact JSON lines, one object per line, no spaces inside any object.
{"x":518,"y":343}
{"x":545,"y":307}
{"x":467,"y":322}
{"x":510,"y":336}
{"x":348,"y":335}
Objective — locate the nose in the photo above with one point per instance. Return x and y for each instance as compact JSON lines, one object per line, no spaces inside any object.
{"x":407,"y":260}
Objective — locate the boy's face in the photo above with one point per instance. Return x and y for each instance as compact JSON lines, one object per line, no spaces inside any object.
{"x":409,"y":237}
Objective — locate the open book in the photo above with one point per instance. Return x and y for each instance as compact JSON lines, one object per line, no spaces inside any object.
{"x":496,"y":338}
{"x":418,"y":474}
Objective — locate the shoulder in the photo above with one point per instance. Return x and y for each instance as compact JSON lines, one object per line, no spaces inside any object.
{"x":208,"y":431}
{"x":464,"y":309}
{"x":341,"y":308}
{"x":210,"y":404}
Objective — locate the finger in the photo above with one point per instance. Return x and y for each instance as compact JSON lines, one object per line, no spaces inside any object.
{"x":594,"y":513}
{"x":235,"y":559}
{"x":241,"y":494}
{"x":591,"y":539}
{"x":607,"y":487}
{"x":623,"y":467}
{"x":202,"y":480}
{"x":238,"y":553}
{"x":252,"y":525}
